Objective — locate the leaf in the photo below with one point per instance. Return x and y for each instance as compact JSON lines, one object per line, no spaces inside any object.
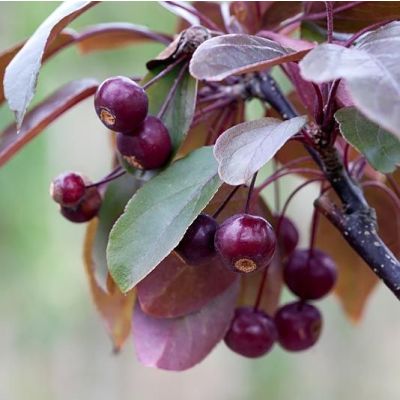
{"x":361,"y":15}
{"x":278,"y":12}
{"x":43,"y":114}
{"x":175,"y":288}
{"x":62,"y":40}
{"x":180,"y":111}
{"x":235,"y":54}
{"x":380,"y":147}
{"x":158,"y":215}
{"x":370,"y":70}
{"x":115,"y":34}
{"x":356,"y":281}
{"x":115,"y":308}
{"x":117,"y":194}
{"x":22,"y":73}
{"x":183,"y":13}
{"x":243,"y":149}
{"x":177,"y":344}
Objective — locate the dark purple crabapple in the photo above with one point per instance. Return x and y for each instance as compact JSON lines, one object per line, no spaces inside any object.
{"x":68,"y":189}
{"x":252,"y":332}
{"x":310,"y":275}
{"x":121,"y":104}
{"x":299,"y":326}
{"x":288,"y":236}
{"x":149,"y":147}
{"x":197,"y":246}
{"x":87,"y":209}
{"x":245,"y":242}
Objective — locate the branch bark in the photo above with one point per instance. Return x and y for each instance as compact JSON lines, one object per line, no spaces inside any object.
{"x":356,"y":220}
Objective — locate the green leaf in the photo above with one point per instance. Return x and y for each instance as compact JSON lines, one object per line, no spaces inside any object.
{"x":180,"y":111}
{"x":22,"y":73}
{"x":117,"y":195}
{"x":381,"y":148}
{"x":158,"y":215}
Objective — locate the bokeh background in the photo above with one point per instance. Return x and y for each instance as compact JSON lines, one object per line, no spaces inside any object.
{"x":52,"y":343}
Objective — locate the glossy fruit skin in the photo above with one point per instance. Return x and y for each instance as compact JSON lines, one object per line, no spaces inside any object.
{"x":252,"y":333}
{"x":310,"y":276}
{"x":245,"y":242}
{"x":149,"y":147}
{"x":121,"y":104}
{"x":87,"y":209}
{"x":197,"y":246}
{"x":288,"y":236}
{"x":299,"y":326}
{"x":68,"y":189}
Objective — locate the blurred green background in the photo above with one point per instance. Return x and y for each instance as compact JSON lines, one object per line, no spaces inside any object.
{"x":52,"y":343}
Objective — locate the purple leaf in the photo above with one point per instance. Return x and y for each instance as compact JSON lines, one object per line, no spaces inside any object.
{"x":174,"y":288}
{"x":22,"y":73}
{"x":115,"y":34}
{"x":177,"y":344}
{"x":173,"y":6}
{"x":370,"y":69}
{"x":235,"y":54}
{"x":243,"y":149}
{"x":43,"y":114}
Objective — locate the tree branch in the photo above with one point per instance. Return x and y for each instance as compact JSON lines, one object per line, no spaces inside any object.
{"x":356,"y":220}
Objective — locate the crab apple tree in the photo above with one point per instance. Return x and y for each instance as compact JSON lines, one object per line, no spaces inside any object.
{"x":183,"y":248}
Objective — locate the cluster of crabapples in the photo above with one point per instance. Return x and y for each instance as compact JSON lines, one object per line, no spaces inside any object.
{"x":245,"y":243}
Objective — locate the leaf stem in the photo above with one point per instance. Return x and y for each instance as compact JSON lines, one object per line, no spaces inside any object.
{"x":329,"y":21}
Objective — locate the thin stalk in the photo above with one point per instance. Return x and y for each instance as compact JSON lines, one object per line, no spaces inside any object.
{"x":226,"y":201}
{"x":162,"y":74}
{"x":171,"y":92}
{"x":251,"y":187}
{"x":118,"y":172}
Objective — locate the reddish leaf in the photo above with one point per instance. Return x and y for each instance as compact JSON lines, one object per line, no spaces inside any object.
{"x":287,"y":41}
{"x":180,"y":343}
{"x":211,"y":9}
{"x":356,"y":281}
{"x":22,"y":73}
{"x":247,"y":13}
{"x":174,"y":288}
{"x":116,"y":34}
{"x":62,"y":40}
{"x":236,"y":54}
{"x":361,"y":15}
{"x":43,"y":114}
{"x":114,"y":307}
{"x":280,"y":11}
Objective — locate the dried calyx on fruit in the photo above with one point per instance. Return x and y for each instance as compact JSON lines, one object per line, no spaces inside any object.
{"x":121,"y":104}
{"x":146,"y":147}
{"x":78,"y":202}
{"x":246,"y":243}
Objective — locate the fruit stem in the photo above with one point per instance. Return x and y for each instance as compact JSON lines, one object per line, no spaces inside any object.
{"x":329,"y":21}
{"x":226,"y":201}
{"x":162,"y":74}
{"x":277,"y":191}
{"x":172,"y":91}
{"x":115,"y":174}
{"x":251,"y":187}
